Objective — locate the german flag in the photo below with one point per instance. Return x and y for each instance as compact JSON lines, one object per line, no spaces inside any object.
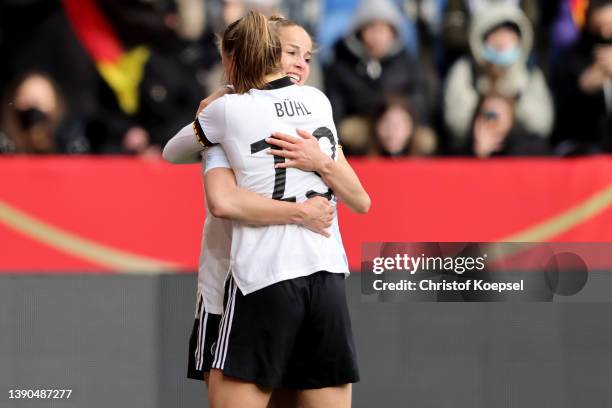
{"x":121,"y":69}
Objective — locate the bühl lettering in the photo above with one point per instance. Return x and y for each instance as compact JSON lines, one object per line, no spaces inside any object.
{"x":291,"y":108}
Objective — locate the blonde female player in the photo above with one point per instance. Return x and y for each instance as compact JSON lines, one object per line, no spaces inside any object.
{"x":315,"y":214}
{"x":285,"y":320}
{"x":297,"y":48}
{"x":214,"y":260}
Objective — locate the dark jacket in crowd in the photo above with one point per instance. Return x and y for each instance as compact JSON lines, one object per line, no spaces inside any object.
{"x":355,"y":83}
{"x":518,"y":142}
{"x":585,"y":120}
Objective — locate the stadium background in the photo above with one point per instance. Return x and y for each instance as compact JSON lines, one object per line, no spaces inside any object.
{"x":99,"y":238}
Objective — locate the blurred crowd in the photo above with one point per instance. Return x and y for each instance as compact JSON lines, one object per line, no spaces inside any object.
{"x":405,"y":77}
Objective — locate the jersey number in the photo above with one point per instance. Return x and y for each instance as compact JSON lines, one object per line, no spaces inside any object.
{"x":280,"y":175}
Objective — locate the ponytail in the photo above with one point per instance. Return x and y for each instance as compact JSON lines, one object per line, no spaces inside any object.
{"x":254,"y":50}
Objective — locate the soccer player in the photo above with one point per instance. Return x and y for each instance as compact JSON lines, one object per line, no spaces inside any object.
{"x":304,"y":153}
{"x":315,"y":214}
{"x":296,"y":53}
{"x":285,"y":319}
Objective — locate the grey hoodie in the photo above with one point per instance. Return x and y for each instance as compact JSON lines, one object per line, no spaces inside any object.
{"x":534,"y":108}
{"x":369,"y":11}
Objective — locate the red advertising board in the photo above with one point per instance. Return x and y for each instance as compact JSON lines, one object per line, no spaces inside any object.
{"x":117,"y":214}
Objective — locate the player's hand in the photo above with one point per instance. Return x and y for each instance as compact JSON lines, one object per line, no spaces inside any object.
{"x":303,"y":152}
{"x":215,"y":95}
{"x":319,"y":214}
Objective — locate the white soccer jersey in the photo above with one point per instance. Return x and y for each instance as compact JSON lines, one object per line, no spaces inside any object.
{"x":213,"y":266}
{"x":214,"y":261}
{"x":263,"y":255}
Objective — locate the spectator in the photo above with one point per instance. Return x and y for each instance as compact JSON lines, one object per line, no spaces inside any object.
{"x":495,"y":132}
{"x":500,"y":42}
{"x":54,"y":46}
{"x":369,"y":61}
{"x":147,"y":74}
{"x":34,"y":120}
{"x":396,"y":131}
{"x":584,"y":86}
{"x":457,"y":15}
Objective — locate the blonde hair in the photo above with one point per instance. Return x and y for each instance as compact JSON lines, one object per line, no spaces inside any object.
{"x":254,"y":50}
{"x":277,"y":21}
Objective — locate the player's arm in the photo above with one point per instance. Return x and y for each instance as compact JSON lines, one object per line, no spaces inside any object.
{"x":226,"y":200}
{"x":185,"y":147}
{"x":306,"y":154}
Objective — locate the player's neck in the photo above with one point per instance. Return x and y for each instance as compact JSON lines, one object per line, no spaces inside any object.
{"x":273,"y":77}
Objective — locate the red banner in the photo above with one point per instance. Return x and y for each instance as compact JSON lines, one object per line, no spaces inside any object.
{"x":113,"y":214}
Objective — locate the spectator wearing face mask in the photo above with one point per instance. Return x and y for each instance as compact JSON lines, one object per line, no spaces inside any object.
{"x":34,"y":119}
{"x":584,"y":86}
{"x":456,"y":17}
{"x":371,"y":60}
{"x":500,"y":42}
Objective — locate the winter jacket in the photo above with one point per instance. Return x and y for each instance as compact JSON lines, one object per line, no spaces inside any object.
{"x":467,"y":82}
{"x":585,"y":119}
{"x":355,"y":82}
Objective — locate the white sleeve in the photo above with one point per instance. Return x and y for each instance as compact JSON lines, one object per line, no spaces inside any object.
{"x":214,"y":157}
{"x":183,"y":147}
{"x":210,"y":124}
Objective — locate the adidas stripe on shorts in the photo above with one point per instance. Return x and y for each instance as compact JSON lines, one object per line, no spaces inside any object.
{"x":202,"y":342}
{"x":293,"y":334}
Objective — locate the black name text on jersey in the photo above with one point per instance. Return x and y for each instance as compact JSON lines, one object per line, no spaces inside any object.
{"x":291,"y":108}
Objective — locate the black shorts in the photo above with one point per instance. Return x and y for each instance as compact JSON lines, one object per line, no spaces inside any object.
{"x":294,"y":334}
{"x":202,"y":342}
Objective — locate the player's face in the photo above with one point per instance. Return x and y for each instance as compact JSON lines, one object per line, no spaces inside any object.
{"x":297,"y":51}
